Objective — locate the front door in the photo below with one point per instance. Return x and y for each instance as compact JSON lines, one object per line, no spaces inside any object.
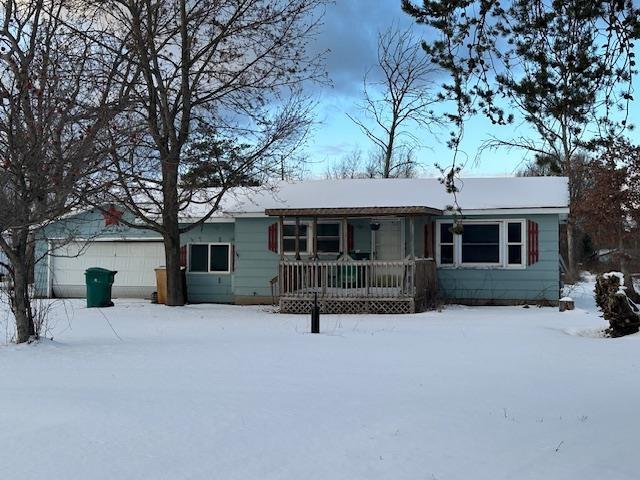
{"x":389,"y":240}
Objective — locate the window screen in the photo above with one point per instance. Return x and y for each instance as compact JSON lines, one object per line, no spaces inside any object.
{"x":290,"y":230}
{"x":198,"y":258}
{"x":219,"y":258}
{"x":289,"y":237}
{"x":328,"y":237}
{"x":481,"y":243}
{"x":514,"y":243}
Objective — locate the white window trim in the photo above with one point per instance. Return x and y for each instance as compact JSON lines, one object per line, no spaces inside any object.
{"x":210,"y":272}
{"x":439,"y":243}
{"x":307,"y":251}
{"x":309,"y":237}
{"x":504,"y":257}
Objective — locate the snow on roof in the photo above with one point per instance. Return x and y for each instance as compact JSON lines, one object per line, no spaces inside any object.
{"x":475,"y":194}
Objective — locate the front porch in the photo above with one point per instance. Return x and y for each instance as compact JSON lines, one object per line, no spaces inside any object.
{"x":357,"y":286}
{"x":377,"y":260}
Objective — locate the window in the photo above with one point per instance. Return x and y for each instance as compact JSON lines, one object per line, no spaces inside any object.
{"x":219,"y":258}
{"x":199,"y":258}
{"x":491,"y":243}
{"x":446,"y":244}
{"x":514,"y":243}
{"x":210,"y":258}
{"x":289,"y":237}
{"x":481,"y":244}
{"x":328,"y":237}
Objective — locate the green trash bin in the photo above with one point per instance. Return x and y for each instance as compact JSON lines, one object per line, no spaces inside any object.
{"x":99,"y":282}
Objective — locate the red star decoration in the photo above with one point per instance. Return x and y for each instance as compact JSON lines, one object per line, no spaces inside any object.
{"x":112,"y":216}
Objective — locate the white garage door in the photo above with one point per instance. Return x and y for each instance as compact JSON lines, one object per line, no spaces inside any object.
{"x":134,"y":261}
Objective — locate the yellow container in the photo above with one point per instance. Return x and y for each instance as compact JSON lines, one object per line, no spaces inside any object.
{"x":161,"y":284}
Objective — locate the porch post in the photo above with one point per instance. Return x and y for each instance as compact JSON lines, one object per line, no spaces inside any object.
{"x":282,"y":280}
{"x":412,"y":236}
{"x":314,"y":245}
{"x":281,"y":236}
{"x":298,"y":238}
{"x":431,"y":235}
{"x":345,"y":237}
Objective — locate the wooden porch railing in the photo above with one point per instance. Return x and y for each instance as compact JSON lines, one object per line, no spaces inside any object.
{"x":362,"y":279}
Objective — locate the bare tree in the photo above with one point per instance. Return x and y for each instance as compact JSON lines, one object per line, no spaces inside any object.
{"x":403,"y":164}
{"x":233,"y":65}
{"x":350,"y":166}
{"x":56,"y":105}
{"x":397,"y":97}
{"x":355,"y":165}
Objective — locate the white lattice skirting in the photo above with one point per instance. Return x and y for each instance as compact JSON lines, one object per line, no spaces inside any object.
{"x":350,"y":306}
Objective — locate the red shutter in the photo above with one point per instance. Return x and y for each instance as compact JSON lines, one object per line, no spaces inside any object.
{"x":350,"y":242}
{"x":532,"y":242}
{"x":232,"y":267}
{"x":273,"y":237}
{"x":183,"y":256}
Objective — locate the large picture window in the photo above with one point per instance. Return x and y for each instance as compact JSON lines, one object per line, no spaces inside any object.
{"x":481,"y":244}
{"x":210,"y":258}
{"x":498,"y":244}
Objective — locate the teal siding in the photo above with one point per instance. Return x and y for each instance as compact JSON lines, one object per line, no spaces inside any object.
{"x":538,"y":282}
{"x":255,"y":264}
{"x":210,"y":287}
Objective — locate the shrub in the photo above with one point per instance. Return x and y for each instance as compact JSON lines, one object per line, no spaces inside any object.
{"x":622,"y":314}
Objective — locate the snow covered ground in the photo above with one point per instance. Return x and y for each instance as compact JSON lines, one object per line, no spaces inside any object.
{"x":143,"y":391}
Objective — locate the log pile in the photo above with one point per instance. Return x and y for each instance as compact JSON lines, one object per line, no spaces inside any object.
{"x":622,"y":314}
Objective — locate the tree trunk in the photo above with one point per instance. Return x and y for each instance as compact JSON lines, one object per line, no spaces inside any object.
{"x":175,"y":288}
{"x":388,"y":153}
{"x":171,"y":235}
{"x":21,"y":301}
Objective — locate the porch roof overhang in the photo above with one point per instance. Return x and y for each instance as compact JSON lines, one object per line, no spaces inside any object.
{"x":353,"y":212}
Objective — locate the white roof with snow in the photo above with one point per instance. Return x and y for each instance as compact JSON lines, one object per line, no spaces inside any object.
{"x":476,"y":195}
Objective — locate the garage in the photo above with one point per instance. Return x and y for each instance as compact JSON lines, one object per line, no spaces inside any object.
{"x":134,"y":261}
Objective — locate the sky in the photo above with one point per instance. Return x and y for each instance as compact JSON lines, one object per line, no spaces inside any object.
{"x":349,"y":34}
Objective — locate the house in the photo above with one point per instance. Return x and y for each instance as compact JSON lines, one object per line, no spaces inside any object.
{"x":290,"y":243}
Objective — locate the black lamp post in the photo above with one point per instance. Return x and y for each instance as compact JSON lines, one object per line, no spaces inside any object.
{"x":315,"y":315}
